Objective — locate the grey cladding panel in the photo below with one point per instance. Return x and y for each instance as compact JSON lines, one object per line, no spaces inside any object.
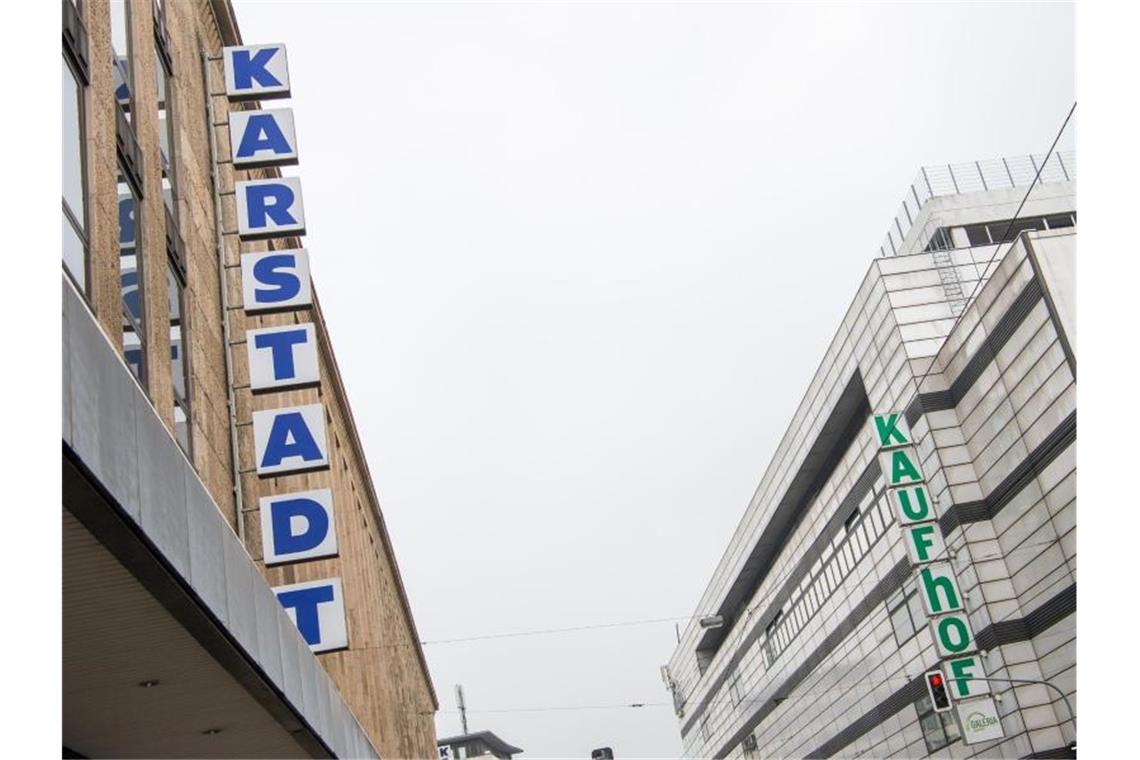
{"x":102,"y":407}
{"x":240,"y":578}
{"x":207,"y":564}
{"x":162,"y":489}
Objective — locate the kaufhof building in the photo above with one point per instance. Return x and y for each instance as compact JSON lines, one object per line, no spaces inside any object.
{"x":918,"y":516}
{"x":229,"y":585}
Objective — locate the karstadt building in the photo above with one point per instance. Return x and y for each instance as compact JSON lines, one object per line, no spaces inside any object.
{"x":229,"y":586}
{"x":918,"y":516}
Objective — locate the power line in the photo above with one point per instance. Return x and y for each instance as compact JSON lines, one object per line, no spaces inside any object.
{"x":570,"y":629}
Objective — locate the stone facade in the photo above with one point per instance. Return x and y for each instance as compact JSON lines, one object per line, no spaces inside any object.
{"x":383,"y":676}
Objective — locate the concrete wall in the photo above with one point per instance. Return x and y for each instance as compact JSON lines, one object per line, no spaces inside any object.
{"x":845,"y":683}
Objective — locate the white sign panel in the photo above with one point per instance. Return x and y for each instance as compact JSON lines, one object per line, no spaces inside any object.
{"x":980,"y":721}
{"x":275,"y":280}
{"x":290,"y":439}
{"x":964,"y":675}
{"x":912,"y":505}
{"x":924,"y":543}
{"x":256,"y":72}
{"x":282,"y":357}
{"x":952,"y":635}
{"x":939,"y":589}
{"x":297,"y":526}
{"x":263,"y":138}
{"x":901,"y":466}
{"x":317,"y":609}
{"x":269,"y":208}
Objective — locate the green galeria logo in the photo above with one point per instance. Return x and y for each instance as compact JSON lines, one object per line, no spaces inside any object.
{"x":979,"y":722}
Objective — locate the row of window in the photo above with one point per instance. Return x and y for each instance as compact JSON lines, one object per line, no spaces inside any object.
{"x":76,"y":243}
{"x":866,"y":524}
{"x":1001,"y":231}
{"x":862,"y":529}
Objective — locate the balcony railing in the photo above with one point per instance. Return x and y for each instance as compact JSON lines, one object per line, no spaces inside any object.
{"x":978,"y":176}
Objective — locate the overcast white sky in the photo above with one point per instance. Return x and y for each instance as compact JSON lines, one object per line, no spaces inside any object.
{"x":579,"y":263}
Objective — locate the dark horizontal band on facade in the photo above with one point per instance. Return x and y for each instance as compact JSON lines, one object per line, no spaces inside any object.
{"x":937,"y":401}
{"x":890,"y":582}
{"x":861,"y":488}
{"x":1053,"y":611}
{"x":1004,"y":492}
{"x":1057,"y":753}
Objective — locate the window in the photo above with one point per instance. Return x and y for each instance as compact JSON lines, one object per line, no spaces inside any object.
{"x":1007,"y":230}
{"x":941,"y":240}
{"x":902,"y":622}
{"x":705,"y":735}
{"x":130,"y":278}
{"x":1061,"y":221}
{"x":121,"y":50}
{"x":74,"y":180}
{"x":734,"y":692}
{"x":938,"y":729}
{"x":179,"y":366}
{"x":166,"y":139}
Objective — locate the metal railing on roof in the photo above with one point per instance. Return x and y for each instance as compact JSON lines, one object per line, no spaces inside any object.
{"x":976,"y":176}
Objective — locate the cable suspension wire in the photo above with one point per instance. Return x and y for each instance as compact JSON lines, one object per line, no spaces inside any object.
{"x":1004,"y":235}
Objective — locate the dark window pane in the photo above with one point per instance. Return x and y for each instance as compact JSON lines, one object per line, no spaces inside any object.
{"x":177,"y":365}
{"x":130,"y":280}
{"x":976,"y":234}
{"x":1059,"y":221}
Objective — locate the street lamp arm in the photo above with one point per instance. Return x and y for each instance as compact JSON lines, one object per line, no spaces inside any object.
{"x":1072,"y":712}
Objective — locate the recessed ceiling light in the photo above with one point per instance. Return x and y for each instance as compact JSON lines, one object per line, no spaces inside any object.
{"x":149,"y":683}
{"x":212,"y":731}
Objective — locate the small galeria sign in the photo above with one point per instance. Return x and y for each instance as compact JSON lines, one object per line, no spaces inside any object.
{"x":913,"y":507}
{"x":979,"y":720}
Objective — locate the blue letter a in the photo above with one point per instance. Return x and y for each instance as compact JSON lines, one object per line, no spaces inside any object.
{"x":290,"y":437}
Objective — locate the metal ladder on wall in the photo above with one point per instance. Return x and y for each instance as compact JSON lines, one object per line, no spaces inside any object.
{"x":951,"y":282}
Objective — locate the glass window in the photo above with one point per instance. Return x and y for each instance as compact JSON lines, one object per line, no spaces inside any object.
{"x":130,"y":277}
{"x":977,"y":234}
{"x":74,"y":185}
{"x":902,"y":623}
{"x":121,"y":50}
{"x":166,"y":141}
{"x":940,"y":240}
{"x":179,"y":367}
{"x":1060,"y":221}
{"x":938,"y":729}
{"x":734,"y":692}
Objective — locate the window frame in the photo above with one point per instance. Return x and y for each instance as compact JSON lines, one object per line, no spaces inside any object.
{"x":131,"y":108}
{"x":925,"y":711}
{"x":185,"y":404}
{"x":69,"y":214}
{"x":139,"y":325}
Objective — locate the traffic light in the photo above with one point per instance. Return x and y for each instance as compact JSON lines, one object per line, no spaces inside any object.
{"x":605,"y":753}
{"x":936,"y":687}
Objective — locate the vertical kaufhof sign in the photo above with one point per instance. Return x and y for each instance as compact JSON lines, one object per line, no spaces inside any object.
{"x":914,"y":509}
{"x":296,"y":526}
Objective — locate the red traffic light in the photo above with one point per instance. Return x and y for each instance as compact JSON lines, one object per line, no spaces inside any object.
{"x":936,"y":689}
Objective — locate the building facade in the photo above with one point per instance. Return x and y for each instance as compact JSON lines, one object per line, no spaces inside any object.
{"x":182,"y":634}
{"x":964,"y":327}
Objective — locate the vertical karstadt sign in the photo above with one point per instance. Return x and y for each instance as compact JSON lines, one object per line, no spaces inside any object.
{"x":941,"y":597}
{"x":295,"y":526}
